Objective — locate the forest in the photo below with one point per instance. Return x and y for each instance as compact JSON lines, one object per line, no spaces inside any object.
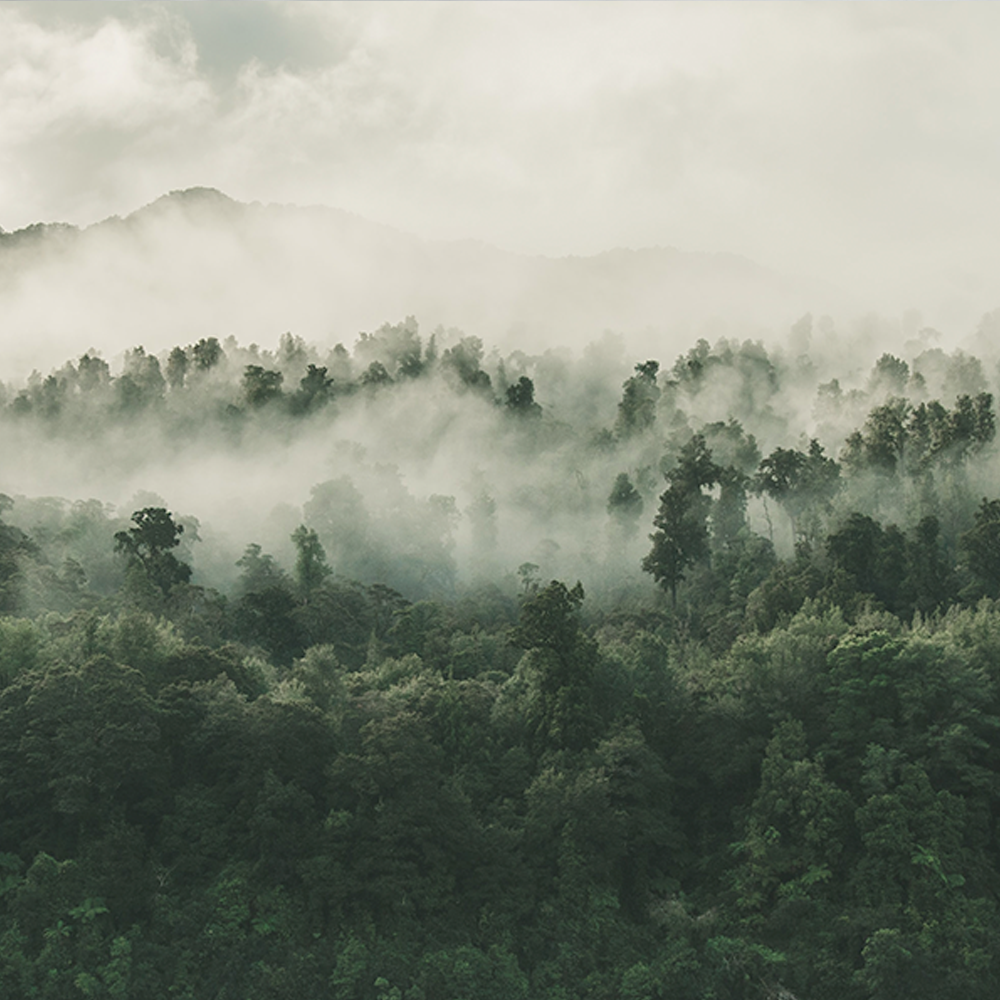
{"x":416,"y":671}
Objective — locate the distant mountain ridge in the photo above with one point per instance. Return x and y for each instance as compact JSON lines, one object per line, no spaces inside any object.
{"x":196,"y":262}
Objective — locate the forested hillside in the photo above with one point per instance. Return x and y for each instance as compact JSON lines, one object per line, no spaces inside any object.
{"x":418,"y":670}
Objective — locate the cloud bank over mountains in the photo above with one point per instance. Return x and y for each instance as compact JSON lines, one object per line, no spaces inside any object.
{"x":198,"y":264}
{"x":852,"y":142}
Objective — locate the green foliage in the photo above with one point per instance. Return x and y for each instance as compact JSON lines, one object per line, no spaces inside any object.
{"x":261,"y":386}
{"x":20,"y":644}
{"x":981,"y":546}
{"x":389,"y":783}
{"x":310,"y":560}
{"x":315,"y":390}
{"x":463,"y":363}
{"x":521,"y":398}
{"x":802,"y":482}
{"x":147,"y":545}
{"x":178,"y":363}
{"x":207,"y":354}
{"x":625,"y":504}
{"x":681,"y":538}
{"x":637,"y":409}
{"x":14,"y":547}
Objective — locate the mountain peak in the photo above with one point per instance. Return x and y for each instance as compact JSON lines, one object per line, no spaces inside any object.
{"x":197,"y":196}
{"x":193,"y":200}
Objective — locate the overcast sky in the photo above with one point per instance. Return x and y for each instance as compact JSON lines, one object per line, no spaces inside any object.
{"x":855,"y":141}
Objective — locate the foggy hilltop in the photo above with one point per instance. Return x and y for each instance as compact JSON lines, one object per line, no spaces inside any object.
{"x":196,"y":263}
{"x":485,"y":665}
{"x":443,"y":412}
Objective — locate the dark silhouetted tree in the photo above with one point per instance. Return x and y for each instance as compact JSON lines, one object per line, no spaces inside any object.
{"x":853,"y":548}
{"x":798,"y":480}
{"x":625,"y":504}
{"x":207,"y":353}
{"x":178,"y":363}
{"x":680,"y":539}
{"x":375,"y":376}
{"x":14,"y":545}
{"x":92,"y":373}
{"x":261,"y":386}
{"x":637,"y":409}
{"x":928,"y":582}
{"x":981,"y":546}
{"x":315,"y":390}
{"x":464,"y":360}
{"x":521,"y":398}
{"x":148,"y":544}
{"x":889,"y":375}
{"x":310,"y":560}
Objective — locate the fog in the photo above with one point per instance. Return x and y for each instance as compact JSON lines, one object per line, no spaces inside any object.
{"x":197,"y":264}
{"x":771,"y":197}
{"x":412,"y":456}
{"x":847,"y":142}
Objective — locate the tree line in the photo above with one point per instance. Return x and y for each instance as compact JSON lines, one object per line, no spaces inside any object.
{"x":766,"y":766}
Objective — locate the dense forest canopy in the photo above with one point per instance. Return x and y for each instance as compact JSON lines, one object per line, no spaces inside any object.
{"x":417,"y":669}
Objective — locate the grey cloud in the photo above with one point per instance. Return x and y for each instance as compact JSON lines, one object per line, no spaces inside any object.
{"x":231,"y":33}
{"x":852,"y":141}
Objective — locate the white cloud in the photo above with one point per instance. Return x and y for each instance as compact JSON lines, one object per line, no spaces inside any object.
{"x":69,"y":95}
{"x":847,"y":139}
{"x":75,"y":80}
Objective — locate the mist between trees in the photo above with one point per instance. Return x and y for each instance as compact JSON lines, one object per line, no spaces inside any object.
{"x":430,"y":462}
{"x":414,"y":670}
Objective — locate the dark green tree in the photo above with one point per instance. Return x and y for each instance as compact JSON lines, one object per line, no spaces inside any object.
{"x":884,"y":437}
{"x":315,"y":390}
{"x":637,"y":409}
{"x":147,"y":545}
{"x":680,"y":539}
{"x":972,"y":424}
{"x":92,"y":372}
{"x":375,"y":375}
{"x":550,"y":619}
{"x":521,"y":398}
{"x":178,"y":363}
{"x":729,"y":511}
{"x":691,"y":367}
{"x":890,"y":374}
{"x":207,"y":353}
{"x":261,"y":386}
{"x":259,"y":571}
{"x":928,"y":581}
{"x":780,"y":473}
{"x":981,"y":546}
{"x":799,"y":481}
{"x":15,"y":545}
{"x":625,"y":504}
{"x":268,"y":618}
{"x":853,"y":548}
{"x":464,"y":361}
{"x":561,"y":661}
{"x":310,"y":561}
{"x":695,"y":467}
{"x":141,"y":382}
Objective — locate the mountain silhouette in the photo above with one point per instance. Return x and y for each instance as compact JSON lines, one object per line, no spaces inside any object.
{"x":198,"y":263}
